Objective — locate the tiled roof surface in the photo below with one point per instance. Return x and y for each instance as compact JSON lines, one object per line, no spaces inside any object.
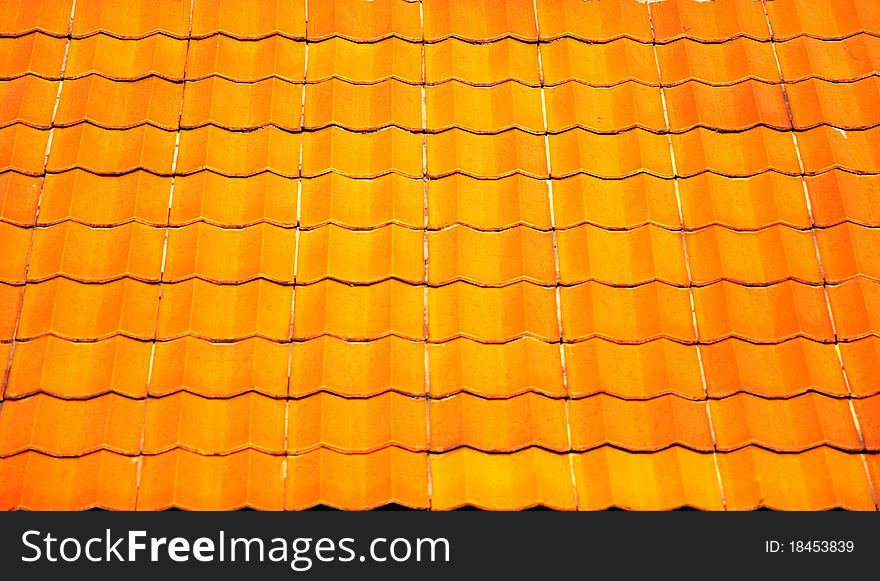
{"x":570,"y":253}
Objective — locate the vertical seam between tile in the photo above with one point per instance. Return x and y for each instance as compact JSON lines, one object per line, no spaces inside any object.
{"x":687,"y":262}
{"x":425,"y":257}
{"x":297,"y":229}
{"x":32,"y":242}
{"x":566,"y":398}
{"x":818,"y":254}
{"x":161,"y":283}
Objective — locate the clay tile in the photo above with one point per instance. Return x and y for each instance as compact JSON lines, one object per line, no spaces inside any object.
{"x":228,"y":17}
{"x":480,"y":20}
{"x":34,"y":53}
{"x":846,"y":60}
{"x":868,"y":415}
{"x":127,"y":59}
{"x":490,"y":258}
{"x":111,"y":152}
{"x":9,"y":309}
{"x":484,"y":109}
{"x":365,"y":63}
{"x":848,"y":250}
{"x":359,"y":312}
{"x":609,"y":156}
{"x":246,"y":61}
{"x":487,"y":156}
{"x":593,"y":21}
{"x":855,"y":307}
{"x":29,"y":100}
{"x":598,"y":65}
{"x":220,"y":369}
{"x":233,"y":153}
{"x":392,"y":150}
{"x":23,"y":149}
{"x":48,"y":16}
{"x":357,"y":481}
{"x":725,"y":63}
{"x":356,"y":425}
{"x":386,"y":364}
{"x":481,"y":64}
{"x":70,"y":369}
{"x":132,"y":18}
{"x":717,"y":21}
{"x":186,"y":480}
{"x":825,"y":19}
{"x":19,"y":195}
{"x":531,"y":477}
{"x":845,"y":105}
{"x":604,"y":109}
{"x":496,"y":370}
{"x":860,"y":359}
{"x":735,"y":154}
{"x":363,"y":107}
{"x":825,"y":148}
{"x":232,"y":105}
{"x":227,"y":201}
{"x":498,"y":425}
{"x":839,"y":196}
{"x":360,"y":256}
{"x":365,"y":21}
{"x":100,"y":480}
{"x":16,"y":243}
{"x":488,"y":204}
{"x":736,"y":107}
{"x":356,"y":203}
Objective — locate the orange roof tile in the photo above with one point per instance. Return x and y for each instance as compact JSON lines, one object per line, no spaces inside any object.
{"x":508,"y":254}
{"x":347,"y":480}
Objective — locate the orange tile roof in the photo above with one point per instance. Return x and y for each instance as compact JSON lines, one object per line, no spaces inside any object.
{"x":491,"y":253}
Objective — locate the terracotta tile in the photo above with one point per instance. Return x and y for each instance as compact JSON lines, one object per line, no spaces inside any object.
{"x":233,"y":153}
{"x":338,"y":199}
{"x":621,"y":258}
{"x":75,"y":310}
{"x":650,"y":425}
{"x":765,"y":256}
{"x":359,"y":312}
{"x":119,"y":104}
{"x":492,"y":314}
{"x":719,"y":21}
{"x":678,"y":477}
{"x":186,"y":480}
{"x":815,"y":480}
{"x":9,"y":308}
{"x":15,"y":242}
{"x":839,"y":196}
{"x":766,"y":314}
{"x":593,"y":21}
{"x":363,"y":107}
{"x":845,"y":105}
{"x":744,"y":203}
{"x":71,"y":428}
{"x":111,"y":152}
{"x":231,"y":105}
{"x":735,"y":154}
{"x":76,"y":370}
{"x":868,"y":414}
{"x":599,"y":65}
{"x":96,"y":254}
{"x":35,"y":53}
{"x":772,"y":371}
{"x":226,"y":201}
{"x":481,"y":64}
{"x":849,"y":250}
{"x":391,"y":150}
{"x":490,"y":258}
{"x":860,"y":359}
{"x":118,"y":59}
{"x":854,"y":304}
{"x":214,"y":426}
{"x":23,"y":16}
{"x":825,"y":148}
{"x":255,"y":21}
{"x":508,"y":153}
{"x":604,"y":109}
{"x":220,"y":369}
{"x":627,"y":315}
{"x":365,"y":62}
{"x":480,"y":20}
{"x":18,"y":198}
{"x":488,"y":204}
{"x":609,"y":156}
{"x":105,"y":200}
{"x":498,"y":425}
{"x":484,"y":109}
{"x":495,"y":371}
{"x":99,"y":480}
{"x":23,"y":149}
{"x":358,"y":425}
{"x":717,"y":64}
{"x":618,"y":204}
{"x":246,"y":61}
{"x":29,"y":100}
{"x":365,"y":21}
{"x":527,"y":478}
{"x":235,"y":255}
{"x":358,"y":481}
{"x":633,"y":371}
{"x":872,"y":461}
{"x":786,"y":425}
{"x":846,"y":60}
{"x":132,"y":19}
{"x":195,"y":307}
{"x":360,"y":256}
{"x":329,"y":364}
{"x":825,"y":19}
{"x":735,"y":107}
